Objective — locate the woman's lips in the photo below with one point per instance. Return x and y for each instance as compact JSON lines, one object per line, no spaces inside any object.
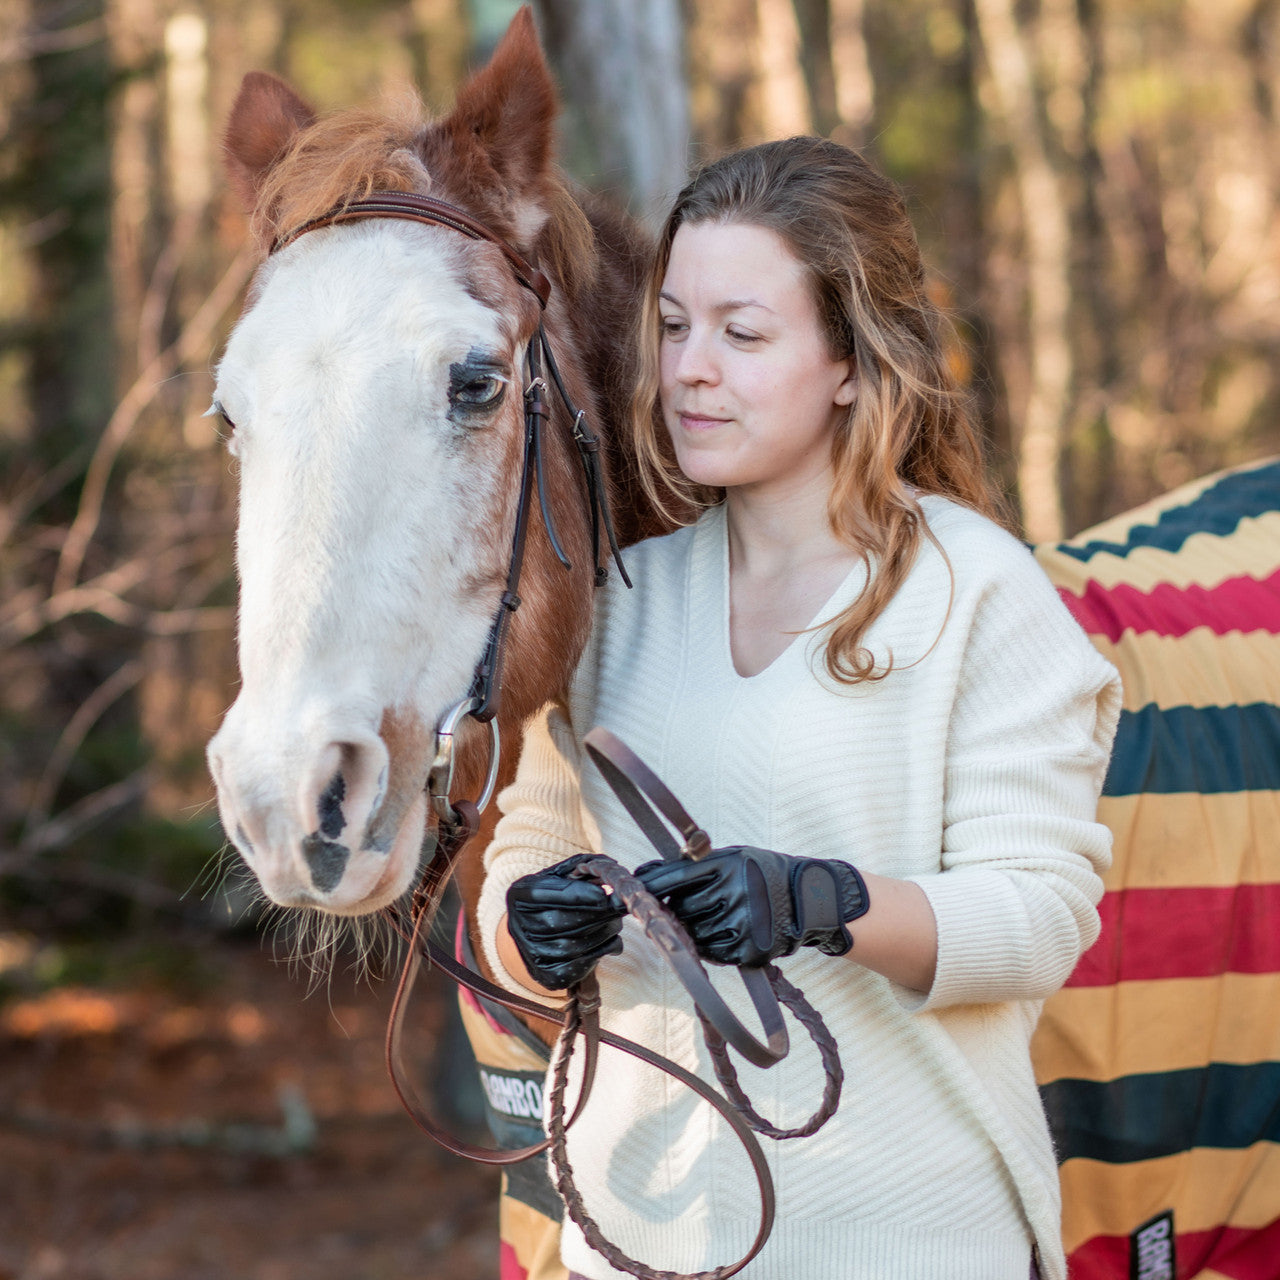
{"x":700,"y":422}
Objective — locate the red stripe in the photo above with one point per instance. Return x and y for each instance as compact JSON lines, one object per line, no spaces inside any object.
{"x":1249,"y":1255}
{"x":1183,"y":933}
{"x":509,"y":1267}
{"x":1238,"y":1252}
{"x":1238,"y":604}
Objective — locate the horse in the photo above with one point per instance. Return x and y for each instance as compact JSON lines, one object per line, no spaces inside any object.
{"x":377,"y":369}
{"x":371,"y":392}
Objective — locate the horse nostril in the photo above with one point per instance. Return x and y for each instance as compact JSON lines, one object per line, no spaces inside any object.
{"x":332,"y":819}
{"x":327,"y":860}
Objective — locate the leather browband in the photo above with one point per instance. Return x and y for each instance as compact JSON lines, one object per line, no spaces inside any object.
{"x":431,"y":212}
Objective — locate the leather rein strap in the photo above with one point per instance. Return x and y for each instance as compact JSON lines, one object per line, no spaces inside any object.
{"x":645,"y":796}
{"x":408,"y":206}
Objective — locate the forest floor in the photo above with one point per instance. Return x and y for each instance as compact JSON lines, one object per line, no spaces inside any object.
{"x":225,"y":1127}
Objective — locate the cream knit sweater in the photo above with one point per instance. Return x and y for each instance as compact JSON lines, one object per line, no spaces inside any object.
{"x":973,"y":769}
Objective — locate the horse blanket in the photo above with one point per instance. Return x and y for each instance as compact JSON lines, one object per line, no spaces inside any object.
{"x":1159,"y":1062}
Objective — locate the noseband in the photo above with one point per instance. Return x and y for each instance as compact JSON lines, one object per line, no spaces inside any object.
{"x":483,"y":698}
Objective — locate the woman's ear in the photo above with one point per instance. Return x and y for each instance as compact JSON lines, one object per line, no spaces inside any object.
{"x":847,"y":391}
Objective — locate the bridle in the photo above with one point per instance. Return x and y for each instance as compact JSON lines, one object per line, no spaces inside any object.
{"x":484,"y":697}
{"x":644,"y":796}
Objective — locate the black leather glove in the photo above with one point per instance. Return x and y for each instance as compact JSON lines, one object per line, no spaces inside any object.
{"x":561,"y":925}
{"x":748,"y":906}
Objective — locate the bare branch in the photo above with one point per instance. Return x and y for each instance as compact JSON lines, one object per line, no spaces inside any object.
{"x":195,"y":337}
{"x":86,"y":814}
{"x":31,"y":611}
{"x":147,"y":892}
{"x":86,"y":716}
{"x":39,"y":491}
{"x":30,"y":44}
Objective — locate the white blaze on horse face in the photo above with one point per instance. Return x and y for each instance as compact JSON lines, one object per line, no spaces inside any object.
{"x":376,"y":405}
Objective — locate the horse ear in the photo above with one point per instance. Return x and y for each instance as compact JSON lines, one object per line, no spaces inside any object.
{"x":266,"y":116}
{"x":510,"y":105}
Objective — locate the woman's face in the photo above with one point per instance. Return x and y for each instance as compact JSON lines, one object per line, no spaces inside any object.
{"x":750,"y":393}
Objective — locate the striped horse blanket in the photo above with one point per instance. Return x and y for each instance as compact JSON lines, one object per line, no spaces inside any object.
{"x":1159,"y":1062}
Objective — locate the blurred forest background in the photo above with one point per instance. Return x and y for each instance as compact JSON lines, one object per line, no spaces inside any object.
{"x":1094,"y":183}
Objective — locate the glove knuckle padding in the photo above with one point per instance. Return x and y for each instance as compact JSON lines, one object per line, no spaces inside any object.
{"x":562,"y":924}
{"x":747,"y":906}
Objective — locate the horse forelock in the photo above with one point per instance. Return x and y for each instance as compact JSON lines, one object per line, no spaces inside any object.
{"x":350,"y":154}
{"x":341,"y":158}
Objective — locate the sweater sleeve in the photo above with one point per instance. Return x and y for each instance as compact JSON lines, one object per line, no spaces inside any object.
{"x":542,"y":823}
{"x":1030,"y":736}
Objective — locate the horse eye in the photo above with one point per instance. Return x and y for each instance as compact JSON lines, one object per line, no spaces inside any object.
{"x":215,"y":410}
{"x":482,"y":392}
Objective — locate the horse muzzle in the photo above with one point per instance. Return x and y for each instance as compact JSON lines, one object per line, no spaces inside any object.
{"x":332,"y":817}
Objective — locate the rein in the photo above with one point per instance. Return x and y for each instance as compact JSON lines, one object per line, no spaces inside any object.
{"x":641,"y":792}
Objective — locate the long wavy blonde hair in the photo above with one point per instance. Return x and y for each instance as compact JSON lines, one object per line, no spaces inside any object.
{"x":909,"y":426}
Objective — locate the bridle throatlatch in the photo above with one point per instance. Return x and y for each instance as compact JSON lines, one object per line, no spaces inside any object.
{"x":640,"y":791}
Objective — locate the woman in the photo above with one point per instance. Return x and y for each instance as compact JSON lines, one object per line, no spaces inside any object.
{"x":846,"y":671}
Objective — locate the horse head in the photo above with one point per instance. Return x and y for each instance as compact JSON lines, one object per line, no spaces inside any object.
{"x":372,"y":391}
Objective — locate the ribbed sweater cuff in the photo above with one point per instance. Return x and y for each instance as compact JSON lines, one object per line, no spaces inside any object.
{"x":493,"y":906}
{"x":983,"y":939}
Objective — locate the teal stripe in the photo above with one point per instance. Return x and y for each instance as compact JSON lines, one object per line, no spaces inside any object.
{"x":1218,"y":510}
{"x":1196,"y":749}
{"x":1144,"y":1117}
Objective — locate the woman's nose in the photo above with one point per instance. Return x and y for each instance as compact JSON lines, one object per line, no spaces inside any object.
{"x":696,"y":361}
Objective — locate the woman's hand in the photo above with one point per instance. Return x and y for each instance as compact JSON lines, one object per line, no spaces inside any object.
{"x":561,"y":925}
{"x":746,"y":906}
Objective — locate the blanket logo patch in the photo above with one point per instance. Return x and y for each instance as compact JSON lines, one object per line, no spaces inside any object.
{"x":1151,"y":1249}
{"x":512,"y":1093}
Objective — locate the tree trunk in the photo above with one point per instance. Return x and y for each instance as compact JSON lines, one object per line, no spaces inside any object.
{"x":813,"y":20}
{"x":1093,"y":448}
{"x":724,"y":88}
{"x":1047,"y":246}
{"x":854,"y":84}
{"x":621,"y":70}
{"x":784,"y":99}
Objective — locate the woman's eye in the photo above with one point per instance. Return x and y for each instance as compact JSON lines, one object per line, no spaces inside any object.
{"x":672,"y":328}
{"x":740,"y":335}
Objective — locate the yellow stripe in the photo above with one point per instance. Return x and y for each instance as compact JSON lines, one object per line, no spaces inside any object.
{"x":1117,"y":528}
{"x":1210,"y":1274}
{"x":534,"y":1237}
{"x":492,"y":1048}
{"x":1102,"y":1033}
{"x":1204,"y":560}
{"x":1189,"y":840}
{"x":1199,"y":669}
{"x":1205,"y":1188}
